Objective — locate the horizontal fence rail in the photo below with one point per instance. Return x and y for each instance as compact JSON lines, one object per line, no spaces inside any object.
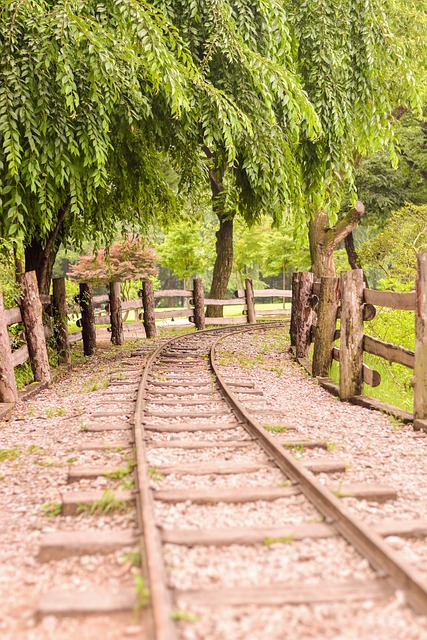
{"x":317,"y":305}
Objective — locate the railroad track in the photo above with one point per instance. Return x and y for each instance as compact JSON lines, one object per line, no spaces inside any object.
{"x":210,"y":477}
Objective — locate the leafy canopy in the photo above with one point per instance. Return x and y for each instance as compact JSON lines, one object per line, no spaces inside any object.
{"x":79,"y":81}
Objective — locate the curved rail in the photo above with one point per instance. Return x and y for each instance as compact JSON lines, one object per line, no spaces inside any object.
{"x":161,"y":602}
{"x":367,"y":542}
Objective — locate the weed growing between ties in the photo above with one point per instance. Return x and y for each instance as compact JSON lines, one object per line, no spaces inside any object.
{"x":276,"y":428}
{"x":142,"y":594}
{"x":54,"y":412}
{"x":282,"y":540}
{"x":122,"y":472}
{"x":52,"y":509}
{"x":184,"y":616}
{"x":108,"y":503}
{"x":133,"y":558}
{"x":154,"y":474}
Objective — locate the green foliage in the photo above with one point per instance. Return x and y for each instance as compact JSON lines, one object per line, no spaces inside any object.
{"x":8,"y":285}
{"x":394,"y":249}
{"x":185,"y":248}
{"x":84,"y":88}
{"x":353,"y":59}
{"x":385,"y":188}
{"x":24,"y":375}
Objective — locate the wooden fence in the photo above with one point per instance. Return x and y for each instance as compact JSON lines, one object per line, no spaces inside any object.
{"x":316,"y":308}
{"x":99,"y":309}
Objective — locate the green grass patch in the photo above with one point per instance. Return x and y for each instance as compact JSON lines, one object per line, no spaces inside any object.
{"x":274,"y":428}
{"x":184,"y":616}
{"x":108,"y":503}
{"x":52,"y":509}
{"x":10,"y":454}
{"x":282,"y":540}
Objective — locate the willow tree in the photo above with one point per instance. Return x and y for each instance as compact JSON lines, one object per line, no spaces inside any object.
{"x":354,"y":57}
{"x":80,"y":83}
{"x":247,"y":51}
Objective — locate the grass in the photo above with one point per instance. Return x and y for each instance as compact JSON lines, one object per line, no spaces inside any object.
{"x":54,"y":412}
{"x":109,"y":503}
{"x":142,"y":594}
{"x":133,"y":557}
{"x":395,"y":387}
{"x":122,"y":472}
{"x":299,"y":448}
{"x":94,"y":383}
{"x":52,"y":509}
{"x":274,"y":428}
{"x":154,"y":474}
{"x":10,"y":454}
{"x":282,"y":540}
{"x":184,"y":616}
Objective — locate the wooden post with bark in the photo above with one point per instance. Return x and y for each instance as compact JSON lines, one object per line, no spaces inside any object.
{"x":351,"y":339}
{"x":32,"y":317}
{"x":250,"y":301}
{"x":303,"y":319}
{"x":117,"y":335}
{"x":88,"y":319}
{"x":326,"y":325}
{"x":60,"y":320}
{"x":295,"y":296}
{"x":420,"y":366}
{"x":8,"y":389}
{"x":148,"y":304}
{"x":199,"y":304}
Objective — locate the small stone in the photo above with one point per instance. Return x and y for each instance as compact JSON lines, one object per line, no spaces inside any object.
{"x":49,"y":622}
{"x":133,"y":630}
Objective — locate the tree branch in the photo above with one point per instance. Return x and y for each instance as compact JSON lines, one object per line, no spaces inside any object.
{"x":338,"y":232}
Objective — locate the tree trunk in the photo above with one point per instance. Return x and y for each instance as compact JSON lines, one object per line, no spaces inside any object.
{"x":223,"y":265}
{"x":322,"y":256}
{"x":324,"y":239}
{"x":149,"y":315}
{"x":352,"y":256}
{"x":224,"y":242}
{"x":40,"y":255}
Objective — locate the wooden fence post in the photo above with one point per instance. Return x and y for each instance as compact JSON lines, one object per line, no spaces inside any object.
{"x":117,"y":335}
{"x":301,"y":306}
{"x":88,"y":319}
{"x":249,"y":295}
{"x":420,"y":367}
{"x":295,"y":296}
{"x":60,"y":320}
{"x":199,"y":304}
{"x":148,"y":303}
{"x":32,"y":317}
{"x":8,"y":390}
{"x":351,"y":339}
{"x":326,"y":326}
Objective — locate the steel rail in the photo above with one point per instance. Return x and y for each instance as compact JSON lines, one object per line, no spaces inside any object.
{"x":368,"y":543}
{"x":150,"y":544}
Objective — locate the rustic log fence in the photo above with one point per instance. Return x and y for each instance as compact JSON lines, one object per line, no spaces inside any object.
{"x":317,"y":305}
{"x":103,"y":309}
